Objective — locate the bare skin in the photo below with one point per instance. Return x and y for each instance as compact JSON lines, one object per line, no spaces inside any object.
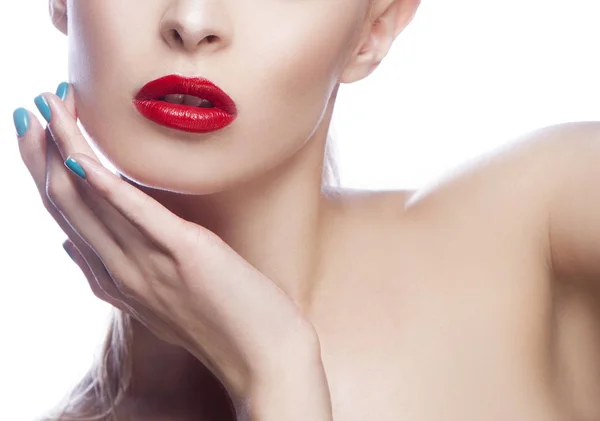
{"x":431,"y":305}
{"x":439,"y":304}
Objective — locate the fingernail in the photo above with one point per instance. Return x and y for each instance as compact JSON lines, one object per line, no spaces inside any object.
{"x":63,"y":90}
{"x":75,"y":167}
{"x":42,"y":105}
{"x":67,"y":250}
{"x":21,"y":120}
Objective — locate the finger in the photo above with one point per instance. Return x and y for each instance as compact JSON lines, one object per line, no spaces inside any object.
{"x":63,"y":125}
{"x":65,"y":92}
{"x":148,"y":216}
{"x":33,"y":137}
{"x":82,"y":220}
{"x":68,"y":138}
{"x":32,"y":146}
{"x":97,"y":244}
{"x":33,"y":141}
{"x":104,"y":295}
{"x":99,"y":280}
{"x":107,"y":291}
{"x":36,"y":145}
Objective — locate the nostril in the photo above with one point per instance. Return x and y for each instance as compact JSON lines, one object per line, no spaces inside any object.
{"x":178,"y":39}
{"x":177,"y":36}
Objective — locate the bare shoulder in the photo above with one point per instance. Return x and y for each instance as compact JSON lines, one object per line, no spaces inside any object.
{"x":527,"y":168}
{"x":517,"y":179}
{"x":529,"y":164}
{"x":498,"y":199}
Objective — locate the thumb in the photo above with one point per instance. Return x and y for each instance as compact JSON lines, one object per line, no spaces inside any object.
{"x":69,"y":248}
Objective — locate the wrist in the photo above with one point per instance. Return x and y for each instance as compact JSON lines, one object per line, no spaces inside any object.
{"x":292,"y":387}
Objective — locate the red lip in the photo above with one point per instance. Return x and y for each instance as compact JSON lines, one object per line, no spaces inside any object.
{"x":185,"y":117}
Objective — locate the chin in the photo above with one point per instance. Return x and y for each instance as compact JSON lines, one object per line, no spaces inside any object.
{"x":163,"y":159}
{"x":169,"y":177}
{"x":176,"y":181}
{"x":157,"y":163}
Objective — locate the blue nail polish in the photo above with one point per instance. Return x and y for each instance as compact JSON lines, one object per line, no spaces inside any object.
{"x":62,"y":91}
{"x":68,"y":253}
{"x":21,"y":120}
{"x":75,"y":167}
{"x":42,"y":105}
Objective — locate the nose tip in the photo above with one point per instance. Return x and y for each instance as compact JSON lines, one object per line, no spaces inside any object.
{"x":190,"y":24}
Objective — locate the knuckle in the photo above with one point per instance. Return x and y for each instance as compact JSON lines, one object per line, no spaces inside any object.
{"x":108,"y":190}
{"x":199,"y":241}
{"x":99,"y":292}
{"x":48,"y":204}
{"x":126,"y":289}
{"x":203,"y":238}
{"x":29,"y":145}
{"x":58,"y":189}
{"x":155,"y":261}
{"x":127,"y":286}
{"x":97,"y":288}
{"x":106,"y":287}
{"x":57,"y":133}
{"x":28,"y":153}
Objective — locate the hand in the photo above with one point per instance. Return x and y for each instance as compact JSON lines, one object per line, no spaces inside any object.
{"x":177,"y":278}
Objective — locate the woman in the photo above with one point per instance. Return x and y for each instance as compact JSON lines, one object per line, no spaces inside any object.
{"x":246,"y":288}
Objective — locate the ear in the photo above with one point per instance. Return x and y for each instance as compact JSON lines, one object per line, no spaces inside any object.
{"x":386,"y":20}
{"x":58,"y":14}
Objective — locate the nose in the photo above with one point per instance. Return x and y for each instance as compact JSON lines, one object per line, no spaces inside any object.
{"x":192,"y":24}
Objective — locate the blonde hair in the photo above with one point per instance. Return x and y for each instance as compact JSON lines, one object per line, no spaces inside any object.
{"x":105,"y":385}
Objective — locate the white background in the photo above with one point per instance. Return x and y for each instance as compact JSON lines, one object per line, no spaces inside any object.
{"x":465,"y":77}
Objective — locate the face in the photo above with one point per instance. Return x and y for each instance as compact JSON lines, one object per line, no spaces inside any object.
{"x":279,"y":60}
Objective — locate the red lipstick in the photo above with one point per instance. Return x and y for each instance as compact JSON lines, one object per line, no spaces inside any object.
{"x":152,"y":104}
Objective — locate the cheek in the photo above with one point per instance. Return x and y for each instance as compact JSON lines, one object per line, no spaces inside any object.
{"x":282,"y":96}
{"x":108,"y":45}
{"x":102,"y":62}
{"x":95,"y":35}
{"x":301,"y":68}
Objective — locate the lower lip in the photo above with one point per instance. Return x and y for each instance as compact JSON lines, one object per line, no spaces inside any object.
{"x":184,"y":117}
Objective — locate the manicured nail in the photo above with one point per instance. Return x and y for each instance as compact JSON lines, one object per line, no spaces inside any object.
{"x":21,"y":120}
{"x":75,"y":167}
{"x":42,"y":105}
{"x":67,"y":250}
{"x":63,"y":90}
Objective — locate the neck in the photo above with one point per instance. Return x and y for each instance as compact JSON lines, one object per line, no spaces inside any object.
{"x":277,"y":222}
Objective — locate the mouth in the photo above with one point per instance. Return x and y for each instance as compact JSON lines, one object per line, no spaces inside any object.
{"x":191,"y":100}
{"x":191,"y":104}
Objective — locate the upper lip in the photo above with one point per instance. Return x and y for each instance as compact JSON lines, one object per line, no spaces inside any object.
{"x":196,"y":86}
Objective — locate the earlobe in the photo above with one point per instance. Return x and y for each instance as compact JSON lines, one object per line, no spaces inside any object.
{"x":58,"y":14}
{"x":391,"y":17}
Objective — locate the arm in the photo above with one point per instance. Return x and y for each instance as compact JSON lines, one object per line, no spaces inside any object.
{"x":292,"y":389}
